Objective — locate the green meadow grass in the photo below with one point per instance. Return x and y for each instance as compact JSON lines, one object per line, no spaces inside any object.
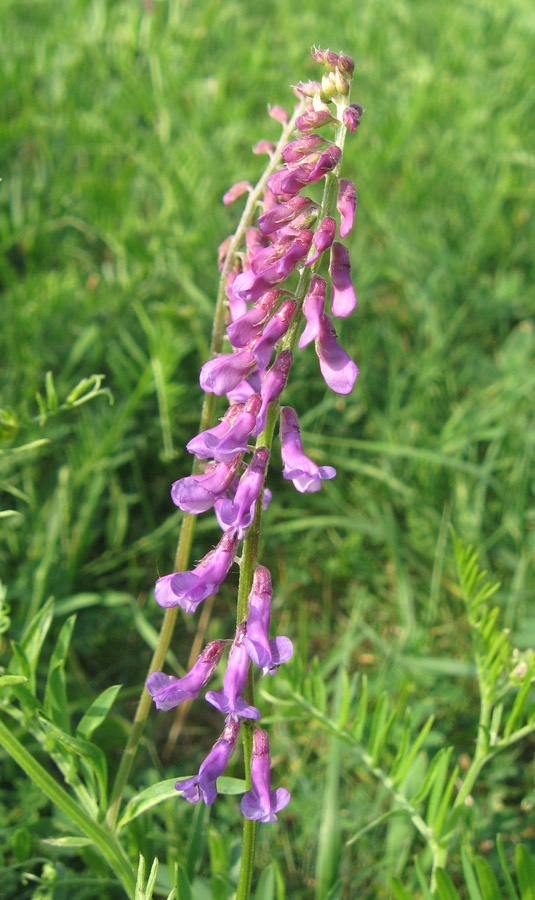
{"x":122,"y":125}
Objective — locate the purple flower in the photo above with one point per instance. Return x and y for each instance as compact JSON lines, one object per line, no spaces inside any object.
{"x":247,"y":388}
{"x":272,"y":386}
{"x":198,"y":444}
{"x":223,"y":373}
{"x":198,"y":493}
{"x":168,"y":692}
{"x":308,"y":88}
{"x":250,"y":324}
{"x":337,"y":368}
{"x":313,"y":308}
{"x":326,"y":58}
{"x":262,"y":346}
{"x":188,"y":589}
{"x":343,"y":299}
{"x":282,"y":213}
{"x":250,"y":285}
{"x":304,"y":473}
{"x":230,"y":699}
{"x":292,"y":179}
{"x":239,"y":512}
{"x":315,"y":119}
{"x":346,"y":205}
{"x":351,"y":116}
{"x":264,"y":653}
{"x":301,"y":147}
{"x":236,"y":191}
{"x":204,"y":784}
{"x":323,"y":238}
{"x":261,"y":804}
{"x":234,"y":439}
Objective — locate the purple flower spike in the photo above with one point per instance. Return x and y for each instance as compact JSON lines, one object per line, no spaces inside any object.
{"x":188,"y":589}
{"x":346,"y":204}
{"x":223,"y":373}
{"x":298,"y":468}
{"x":315,"y":119}
{"x":198,"y":493}
{"x":239,"y":512}
{"x":273,"y":386}
{"x":198,"y":445}
{"x":237,"y":437}
{"x":249,"y":326}
{"x":337,"y":368}
{"x":204,"y":784}
{"x":230,"y":699}
{"x":236,"y":191}
{"x":168,"y":692}
{"x":267,"y":655}
{"x":313,"y":308}
{"x":343,"y":299}
{"x":323,"y":238}
{"x":262,"y":346}
{"x":261,"y":804}
{"x":301,"y":147}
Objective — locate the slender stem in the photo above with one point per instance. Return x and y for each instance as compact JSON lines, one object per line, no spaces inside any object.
{"x":188,"y":520}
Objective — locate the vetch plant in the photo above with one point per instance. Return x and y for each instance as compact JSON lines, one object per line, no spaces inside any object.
{"x":270,"y":288}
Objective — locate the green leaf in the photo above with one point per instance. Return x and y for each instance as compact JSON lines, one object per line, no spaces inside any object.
{"x":469,"y":876}
{"x":440,"y":772}
{"x":445,"y":887}
{"x":51,"y":395}
{"x":197,"y":840}
{"x":146,"y":799}
{"x":183,"y":887}
{"x":71,"y":840}
{"x":404,"y":761}
{"x":360,"y":719}
{"x":400,"y":892}
{"x":8,"y":680}
{"x":97,"y":712}
{"x":34,"y":638}
{"x":88,"y":753}
{"x":511,"y":890}
{"x":487,"y":880}
{"x":55,"y":703}
{"x":266,"y":885}
{"x":525,"y":867}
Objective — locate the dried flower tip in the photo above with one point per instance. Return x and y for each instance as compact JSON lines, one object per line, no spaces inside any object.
{"x":236,"y":191}
{"x":279,"y":114}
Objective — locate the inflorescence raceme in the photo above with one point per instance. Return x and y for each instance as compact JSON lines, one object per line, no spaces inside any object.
{"x":293,"y":234}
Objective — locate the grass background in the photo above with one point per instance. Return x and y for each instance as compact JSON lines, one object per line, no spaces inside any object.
{"x":122,"y":125}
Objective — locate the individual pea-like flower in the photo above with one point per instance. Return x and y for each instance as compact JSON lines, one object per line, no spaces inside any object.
{"x":250,"y":285}
{"x":323,"y":238}
{"x":272,"y":386}
{"x":346,"y":205}
{"x":237,"y":190}
{"x":204,"y":784}
{"x":279,"y":114}
{"x":263,"y":147}
{"x":238,"y":513}
{"x":188,"y":589}
{"x":297,"y":150}
{"x":198,"y":493}
{"x":262,"y":346}
{"x":282,"y":213}
{"x":351,"y":117}
{"x":223,"y":373}
{"x":298,"y":468}
{"x":338,"y":369}
{"x":315,"y":119}
{"x":250,"y":324}
{"x":198,"y":445}
{"x":261,"y":804}
{"x":313,"y":308}
{"x":168,"y":692}
{"x":230,"y":700}
{"x":343,"y":299}
{"x":267,"y":654}
{"x":326,"y":58}
{"x":235,"y":439}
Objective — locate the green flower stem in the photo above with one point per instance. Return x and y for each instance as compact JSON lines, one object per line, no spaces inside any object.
{"x":188,"y":520}
{"x":249,"y":557}
{"x":104,"y":840}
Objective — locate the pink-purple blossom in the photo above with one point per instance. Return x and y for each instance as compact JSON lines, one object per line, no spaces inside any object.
{"x":267,"y":654}
{"x":298,"y":468}
{"x":204,"y":784}
{"x":223,"y":373}
{"x":230,"y":700}
{"x":346,"y":205}
{"x":239,"y":512}
{"x":168,"y":692}
{"x":261,"y":804}
{"x":313,"y":308}
{"x":237,"y":190}
{"x":337,"y":368}
{"x":323,"y":238}
{"x":343,"y":299}
{"x":198,"y":493}
{"x":188,"y":589}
